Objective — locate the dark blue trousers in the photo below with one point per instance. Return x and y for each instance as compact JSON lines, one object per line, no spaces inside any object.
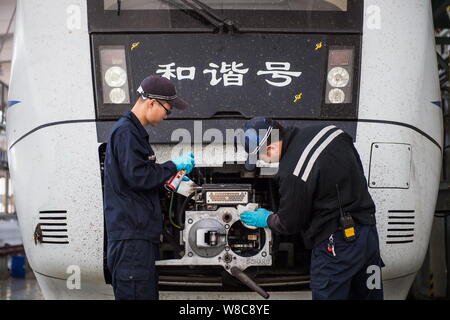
{"x":132,"y":266}
{"x":354,"y":273}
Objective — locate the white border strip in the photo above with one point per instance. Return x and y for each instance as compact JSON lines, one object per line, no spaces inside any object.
{"x":307,"y":150}
{"x":317,"y":153}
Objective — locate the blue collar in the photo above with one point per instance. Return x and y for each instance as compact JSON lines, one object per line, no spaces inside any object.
{"x":130,"y":115}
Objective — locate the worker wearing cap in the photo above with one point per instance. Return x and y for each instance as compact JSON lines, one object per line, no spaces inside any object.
{"x":131,"y":191}
{"x":324,"y":197}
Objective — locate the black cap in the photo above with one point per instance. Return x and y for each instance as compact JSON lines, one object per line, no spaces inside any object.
{"x":256,"y":134}
{"x":157,"y":87}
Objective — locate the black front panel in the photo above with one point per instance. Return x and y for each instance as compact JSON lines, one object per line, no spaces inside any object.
{"x":277,"y":75}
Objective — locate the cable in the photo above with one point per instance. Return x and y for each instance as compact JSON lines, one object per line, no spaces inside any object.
{"x":171,"y":213}
{"x":184,"y":205}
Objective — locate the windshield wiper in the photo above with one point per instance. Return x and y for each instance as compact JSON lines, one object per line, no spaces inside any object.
{"x":198,"y":14}
{"x":119,"y":4}
{"x":215,"y":22}
{"x":227,"y":24}
{"x":206,"y":12}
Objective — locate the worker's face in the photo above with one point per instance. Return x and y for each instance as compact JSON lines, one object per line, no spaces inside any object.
{"x":273,"y":152}
{"x":157,"y":111}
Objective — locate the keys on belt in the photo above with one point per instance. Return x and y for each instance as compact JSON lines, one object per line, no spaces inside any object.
{"x":330,"y":247}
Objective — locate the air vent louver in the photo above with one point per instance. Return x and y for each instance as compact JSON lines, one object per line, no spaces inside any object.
{"x":400,"y":226}
{"x":53,"y":227}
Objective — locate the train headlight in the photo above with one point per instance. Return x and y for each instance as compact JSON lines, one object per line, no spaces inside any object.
{"x":336,"y":96}
{"x":115,"y":77}
{"x":117,"y":95}
{"x":114,"y":74}
{"x":340,"y":74}
{"x":338,"y":77}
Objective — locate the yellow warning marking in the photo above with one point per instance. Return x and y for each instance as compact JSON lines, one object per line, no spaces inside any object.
{"x":319,"y":46}
{"x":134,"y":45}
{"x":298,"y":97}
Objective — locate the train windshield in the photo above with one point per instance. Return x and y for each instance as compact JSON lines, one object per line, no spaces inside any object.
{"x":249,"y":15}
{"x":278,"y":5}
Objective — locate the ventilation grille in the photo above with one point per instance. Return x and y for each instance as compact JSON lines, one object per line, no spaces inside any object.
{"x":53,"y":227}
{"x":400,"y":226}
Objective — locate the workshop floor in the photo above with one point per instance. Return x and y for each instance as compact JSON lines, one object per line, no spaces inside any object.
{"x":20,"y":289}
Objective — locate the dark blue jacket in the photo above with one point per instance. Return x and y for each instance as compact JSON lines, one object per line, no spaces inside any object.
{"x":314,"y":160}
{"x":132,"y":179}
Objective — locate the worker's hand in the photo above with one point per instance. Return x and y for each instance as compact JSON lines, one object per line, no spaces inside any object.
{"x":256,"y":218}
{"x":185,"y":162}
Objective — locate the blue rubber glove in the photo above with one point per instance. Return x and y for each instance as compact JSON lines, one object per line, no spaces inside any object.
{"x":256,"y":218}
{"x":185,"y":162}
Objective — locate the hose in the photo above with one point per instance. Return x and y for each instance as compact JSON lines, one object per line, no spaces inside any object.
{"x":183,"y":209}
{"x":171,"y":214}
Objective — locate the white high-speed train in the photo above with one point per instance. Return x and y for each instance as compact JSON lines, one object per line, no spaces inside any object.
{"x":365,"y":66}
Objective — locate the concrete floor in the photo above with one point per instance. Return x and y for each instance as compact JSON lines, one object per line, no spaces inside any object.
{"x":28,"y":289}
{"x":20,"y":289}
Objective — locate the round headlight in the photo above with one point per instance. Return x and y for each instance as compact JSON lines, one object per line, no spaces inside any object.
{"x":115,"y":77}
{"x":117,"y":95}
{"x":338,"y":77}
{"x":336,"y":96}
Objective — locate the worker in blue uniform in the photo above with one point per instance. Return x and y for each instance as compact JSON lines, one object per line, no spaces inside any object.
{"x":132,"y":179}
{"x":324,"y":197}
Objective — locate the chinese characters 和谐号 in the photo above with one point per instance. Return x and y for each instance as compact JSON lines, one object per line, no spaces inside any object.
{"x":232,"y":73}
